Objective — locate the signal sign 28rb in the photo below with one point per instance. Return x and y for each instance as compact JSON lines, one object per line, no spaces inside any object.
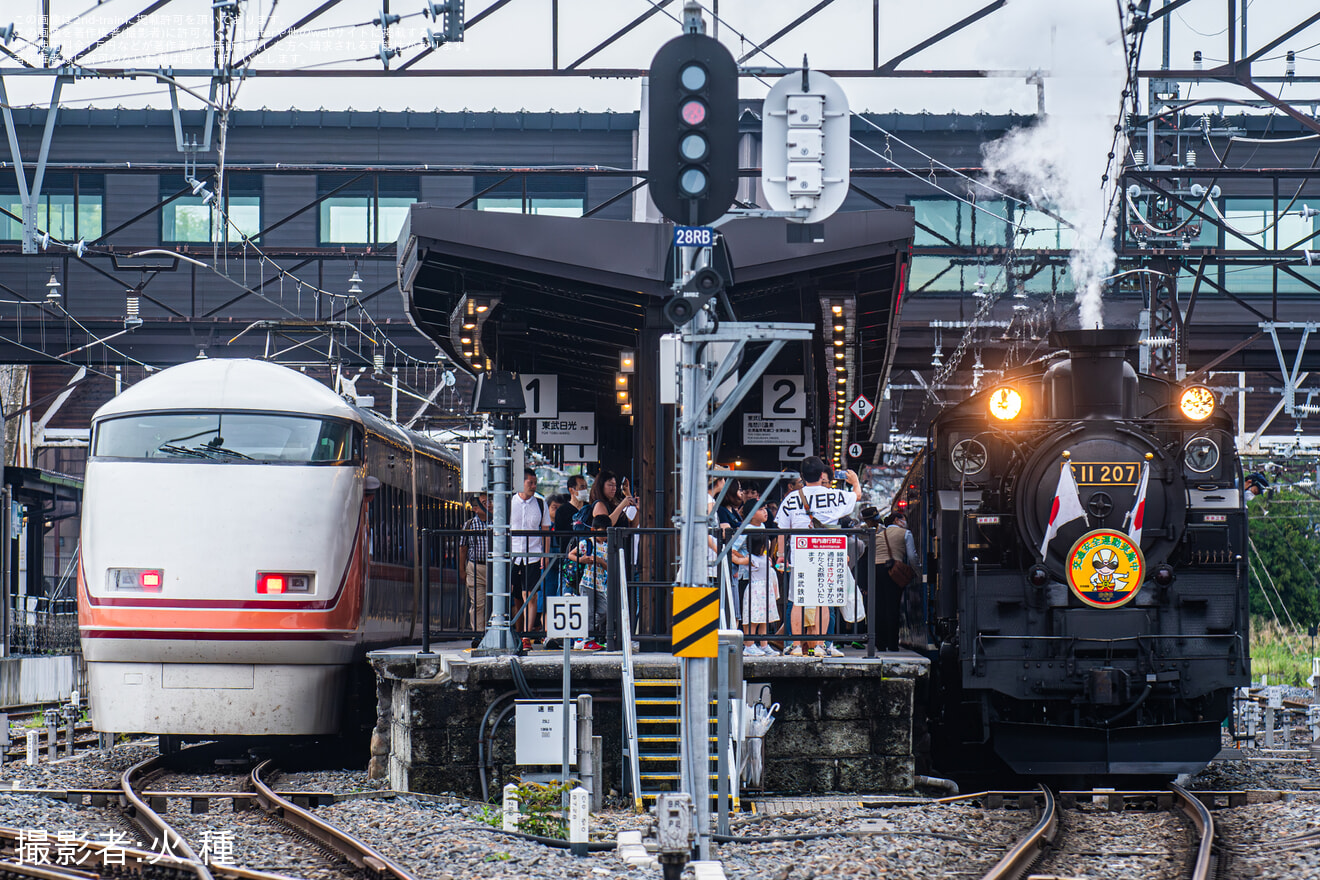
{"x":694,"y":236}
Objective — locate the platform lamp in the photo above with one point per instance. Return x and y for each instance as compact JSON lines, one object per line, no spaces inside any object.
{"x":500,"y":396}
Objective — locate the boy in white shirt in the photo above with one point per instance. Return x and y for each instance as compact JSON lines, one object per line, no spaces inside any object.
{"x":819,"y":501}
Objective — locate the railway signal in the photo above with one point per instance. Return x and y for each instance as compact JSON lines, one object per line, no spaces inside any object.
{"x":693,"y":120}
{"x":805,"y":145}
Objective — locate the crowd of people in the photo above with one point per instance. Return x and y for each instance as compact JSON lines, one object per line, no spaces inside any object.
{"x":558,"y":546}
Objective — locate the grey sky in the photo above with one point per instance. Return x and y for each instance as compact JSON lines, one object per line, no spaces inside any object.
{"x":518,"y":36}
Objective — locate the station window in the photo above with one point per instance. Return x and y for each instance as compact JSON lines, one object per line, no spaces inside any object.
{"x":941,"y":221}
{"x":71,"y":207}
{"x":1251,"y":224}
{"x":189,"y":219}
{"x":555,"y":195}
{"x":366,"y":211}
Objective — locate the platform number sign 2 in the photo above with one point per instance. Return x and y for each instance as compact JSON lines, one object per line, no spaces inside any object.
{"x":783,"y":397}
{"x":541,"y":392}
{"x":566,"y":617}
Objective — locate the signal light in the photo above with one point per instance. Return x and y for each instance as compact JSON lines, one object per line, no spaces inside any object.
{"x":1197,"y":403}
{"x":1038,"y":575}
{"x":693,"y":118}
{"x":150,"y":580}
{"x":1005,"y":404}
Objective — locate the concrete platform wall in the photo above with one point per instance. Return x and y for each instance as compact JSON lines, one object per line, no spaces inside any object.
{"x":842,"y":725}
{"x":26,"y":680}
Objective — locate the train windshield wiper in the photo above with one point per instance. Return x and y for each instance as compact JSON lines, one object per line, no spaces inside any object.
{"x":222,"y":451}
{"x":184,"y":451}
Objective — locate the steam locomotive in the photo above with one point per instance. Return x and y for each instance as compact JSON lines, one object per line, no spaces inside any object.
{"x":1085,"y":593}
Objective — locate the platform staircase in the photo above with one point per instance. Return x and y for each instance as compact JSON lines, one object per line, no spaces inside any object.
{"x":656,"y":701}
{"x":652,"y":737}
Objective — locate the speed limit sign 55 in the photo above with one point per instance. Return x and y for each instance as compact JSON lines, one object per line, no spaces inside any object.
{"x":566,"y":617}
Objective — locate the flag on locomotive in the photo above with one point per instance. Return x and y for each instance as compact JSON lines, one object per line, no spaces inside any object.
{"x":1067,"y":505}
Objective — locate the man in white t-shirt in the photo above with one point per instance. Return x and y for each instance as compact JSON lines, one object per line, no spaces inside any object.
{"x":528,"y":512}
{"x":817,"y":500}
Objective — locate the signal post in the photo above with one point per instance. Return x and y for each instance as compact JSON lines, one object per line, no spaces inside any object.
{"x":693,"y":177}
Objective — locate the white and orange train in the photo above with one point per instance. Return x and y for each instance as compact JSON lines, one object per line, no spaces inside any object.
{"x":247,"y":535}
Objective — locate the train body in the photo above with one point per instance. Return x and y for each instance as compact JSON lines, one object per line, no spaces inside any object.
{"x":247,"y":535}
{"x":1105,"y":654}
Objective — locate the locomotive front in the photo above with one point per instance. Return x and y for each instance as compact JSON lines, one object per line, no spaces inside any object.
{"x":1089,"y":539}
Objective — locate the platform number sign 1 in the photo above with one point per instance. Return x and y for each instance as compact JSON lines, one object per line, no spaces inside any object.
{"x":541,"y":392}
{"x":566,"y":617}
{"x":783,"y":397}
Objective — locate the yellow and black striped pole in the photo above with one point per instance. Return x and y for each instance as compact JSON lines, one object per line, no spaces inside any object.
{"x":696,"y":622}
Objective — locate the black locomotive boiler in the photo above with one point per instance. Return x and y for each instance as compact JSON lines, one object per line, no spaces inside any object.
{"x":1110,"y":643}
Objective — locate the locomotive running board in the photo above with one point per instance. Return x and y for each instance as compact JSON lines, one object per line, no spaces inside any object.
{"x":1161,"y":748}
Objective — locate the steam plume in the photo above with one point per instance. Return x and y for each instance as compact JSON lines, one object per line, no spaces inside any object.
{"x":1060,"y":160}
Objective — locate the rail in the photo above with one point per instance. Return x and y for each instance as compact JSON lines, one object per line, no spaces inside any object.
{"x":359,"y":853}
{"x":152,"y":824}
{"x":1205,"y":827}
{"x":1018,"y":860}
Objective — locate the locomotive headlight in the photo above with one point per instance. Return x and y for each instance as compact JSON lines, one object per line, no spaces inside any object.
{"x":1005,"y":404}
{"x":1197,"y":403}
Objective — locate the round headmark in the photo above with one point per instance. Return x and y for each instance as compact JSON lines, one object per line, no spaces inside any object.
{"x":1105,"y":568}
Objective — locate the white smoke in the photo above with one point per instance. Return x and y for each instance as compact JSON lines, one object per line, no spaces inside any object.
{"x":1060,"y":160}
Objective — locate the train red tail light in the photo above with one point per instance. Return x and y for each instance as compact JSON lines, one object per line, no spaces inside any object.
{"x":136,"y":580}
{"x":1039,"y":575}
{"x":271,"y":583}
{"x":277,"y":582}
{"x":1164,"y":575}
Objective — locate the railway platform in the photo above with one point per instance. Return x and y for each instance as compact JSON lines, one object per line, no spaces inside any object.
{"x":842,"y":724}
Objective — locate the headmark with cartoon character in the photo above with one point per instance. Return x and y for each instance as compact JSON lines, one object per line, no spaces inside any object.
{"x":1105,"y":569}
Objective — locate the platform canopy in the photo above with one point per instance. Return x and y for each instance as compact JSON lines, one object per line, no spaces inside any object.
{"x":565,"y":296}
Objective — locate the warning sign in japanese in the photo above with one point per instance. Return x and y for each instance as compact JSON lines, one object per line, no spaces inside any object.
{"x":820,"y":569}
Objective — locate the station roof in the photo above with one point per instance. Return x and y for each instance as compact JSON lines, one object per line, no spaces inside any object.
{"x":572,"y":293}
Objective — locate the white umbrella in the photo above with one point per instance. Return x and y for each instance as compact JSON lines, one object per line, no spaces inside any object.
{"x":753,"y":753}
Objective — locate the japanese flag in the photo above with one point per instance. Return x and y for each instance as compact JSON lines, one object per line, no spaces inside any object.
{"x":1139,"y":508}
{"x":1066,"y":508}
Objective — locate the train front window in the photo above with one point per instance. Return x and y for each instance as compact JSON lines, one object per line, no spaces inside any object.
{"x":226,"y":437}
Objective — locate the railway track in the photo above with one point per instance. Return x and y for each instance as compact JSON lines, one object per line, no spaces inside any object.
{"x":169,"y":827}
{"x":1102,"y":837}
{"x":277,"y":835}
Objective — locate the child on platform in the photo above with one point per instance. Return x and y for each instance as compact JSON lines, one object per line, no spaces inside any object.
{"x":593,"y":554}
{"x":760,"y":599}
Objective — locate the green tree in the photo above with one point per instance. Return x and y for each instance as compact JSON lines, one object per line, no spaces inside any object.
{"x":1284,"y":525}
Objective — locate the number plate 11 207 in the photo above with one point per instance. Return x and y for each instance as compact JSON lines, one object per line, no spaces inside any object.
{"x":1106,"y":473}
